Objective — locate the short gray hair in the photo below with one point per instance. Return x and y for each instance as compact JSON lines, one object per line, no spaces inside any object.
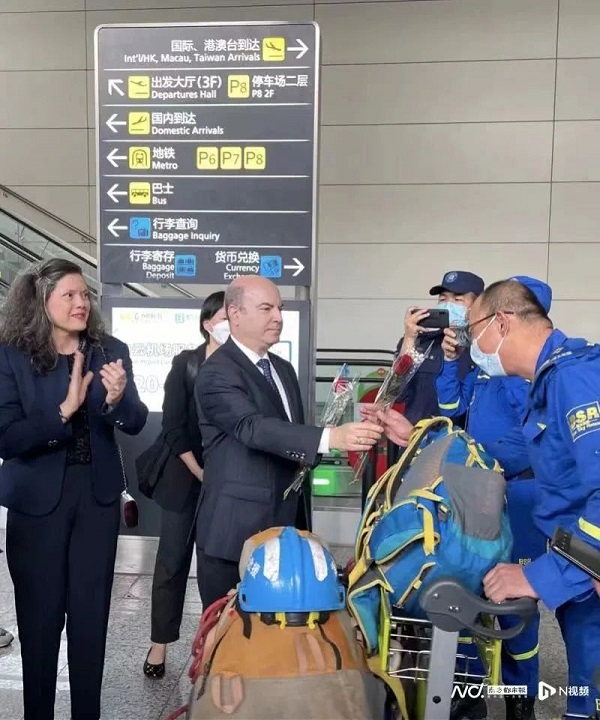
{"x":234,"y":295}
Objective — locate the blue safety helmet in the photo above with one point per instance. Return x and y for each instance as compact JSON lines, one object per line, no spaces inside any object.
{"x":291,"y":573}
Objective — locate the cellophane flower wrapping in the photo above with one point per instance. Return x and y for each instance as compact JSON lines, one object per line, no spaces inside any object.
{"x":395,"y":382}
{"x":341,"y":394}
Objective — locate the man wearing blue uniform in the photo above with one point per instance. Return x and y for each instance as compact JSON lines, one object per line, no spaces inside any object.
{"x":495,"y":408}
{"x":514,"y":336}
{"x":562,"y":428}
{"x":456,"y":293}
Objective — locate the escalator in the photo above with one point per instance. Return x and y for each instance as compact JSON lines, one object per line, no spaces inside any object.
{"x":28,"y":233}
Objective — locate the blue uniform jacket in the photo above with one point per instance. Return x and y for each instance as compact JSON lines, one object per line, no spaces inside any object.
{"x":562,"y":427}
{"x":33,"y":438}
{"x":495,"y":407}
{"x":420,"y":396}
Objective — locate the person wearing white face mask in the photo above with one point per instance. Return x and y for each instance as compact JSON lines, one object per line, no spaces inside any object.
{"x":178,"y":488}
{"x":496,"y":405}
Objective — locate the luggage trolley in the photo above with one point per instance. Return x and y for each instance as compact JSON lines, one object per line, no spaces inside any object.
{"x":424,"y":653}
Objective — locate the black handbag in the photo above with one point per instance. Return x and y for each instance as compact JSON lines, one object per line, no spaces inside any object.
{"x":150,"y":465}
{"x":129,"y":508}
{"x":158,"y":465}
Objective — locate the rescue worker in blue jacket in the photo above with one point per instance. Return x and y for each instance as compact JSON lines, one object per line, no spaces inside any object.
{"x":456,"y":292}
{"x":512,"y":335}
{"x":495,"y":408}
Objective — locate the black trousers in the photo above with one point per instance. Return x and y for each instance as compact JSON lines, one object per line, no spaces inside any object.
{"x":216,"y":577}
{"x":171,"y":571}
{"x":62,"y":564}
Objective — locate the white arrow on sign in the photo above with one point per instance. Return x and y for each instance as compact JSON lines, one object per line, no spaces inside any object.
{"x":113,"y":193}
{"x":112,"y":157}
{"x":302,"y":49}
{"x":112,"y":122}
{"x":114,"y":226}
{"x":298,"y":267}
{"x":116,"y":86}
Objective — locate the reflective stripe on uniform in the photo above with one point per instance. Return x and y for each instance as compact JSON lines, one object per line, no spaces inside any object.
{"x":589,"y":528}
{"x":525,"y":655}
{"x":449,"y":406}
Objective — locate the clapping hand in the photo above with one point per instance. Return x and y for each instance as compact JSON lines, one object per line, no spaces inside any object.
{"x":114,"y":379}
{"x":78,"y":387}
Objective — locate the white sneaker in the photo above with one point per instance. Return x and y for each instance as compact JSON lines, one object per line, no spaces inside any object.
{"x":5,"y":638}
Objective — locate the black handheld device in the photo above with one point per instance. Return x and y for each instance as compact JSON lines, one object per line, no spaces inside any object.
{"x":436,"y":319}
{"x":577,"y":551}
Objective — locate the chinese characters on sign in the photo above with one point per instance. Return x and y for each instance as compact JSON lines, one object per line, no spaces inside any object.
{"x":206,"y":152}
{"x":173,"y":330}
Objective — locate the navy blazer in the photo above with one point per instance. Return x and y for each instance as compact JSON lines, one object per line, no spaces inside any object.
{"x":251,"y":450}
{"x":33,"y":438}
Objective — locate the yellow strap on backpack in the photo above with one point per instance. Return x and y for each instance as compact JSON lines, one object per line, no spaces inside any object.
{"x":381,"y":490}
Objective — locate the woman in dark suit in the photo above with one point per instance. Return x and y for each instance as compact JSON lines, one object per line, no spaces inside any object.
{"x":178,"y":490}
{"x":65,"y":385}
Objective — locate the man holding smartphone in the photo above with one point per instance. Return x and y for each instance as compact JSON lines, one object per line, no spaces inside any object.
{"x":495,"y":408}
{"x":514,"y":336}
{"x":456,"y":293}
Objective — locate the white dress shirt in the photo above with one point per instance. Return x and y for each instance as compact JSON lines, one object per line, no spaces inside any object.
{"x":254,"y":358}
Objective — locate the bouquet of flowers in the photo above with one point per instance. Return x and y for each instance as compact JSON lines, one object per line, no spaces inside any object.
{"x":339,"y":397}
{"x":397,"y":378}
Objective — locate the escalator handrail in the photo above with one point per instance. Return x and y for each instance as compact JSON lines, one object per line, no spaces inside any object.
{"x":18,"y":249}
{"x":9,"y":191}
{"x":32,"y":257}
{"x":86,"y":237}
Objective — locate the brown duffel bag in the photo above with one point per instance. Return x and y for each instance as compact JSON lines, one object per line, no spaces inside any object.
{"x":255,"y":666}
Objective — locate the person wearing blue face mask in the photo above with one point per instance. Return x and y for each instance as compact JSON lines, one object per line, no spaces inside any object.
{"x":495,"y":406}
{"x":561,"y":427}
{"x":456,"y":293}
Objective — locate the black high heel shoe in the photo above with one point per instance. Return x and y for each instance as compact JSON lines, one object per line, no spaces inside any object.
{"x":153,"y":671}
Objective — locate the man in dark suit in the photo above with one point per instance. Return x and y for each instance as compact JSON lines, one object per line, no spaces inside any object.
{"x":252,"y":424}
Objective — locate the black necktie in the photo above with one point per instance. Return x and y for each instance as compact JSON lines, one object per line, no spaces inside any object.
{"x":265,"y":366}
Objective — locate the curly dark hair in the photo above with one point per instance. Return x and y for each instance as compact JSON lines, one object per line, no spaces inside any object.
{"x":24,"y":321}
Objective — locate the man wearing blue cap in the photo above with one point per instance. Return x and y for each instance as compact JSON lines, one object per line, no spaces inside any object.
{"x":514,"y":337}
{"x":456,"y":293}
{"x":496,"y":407}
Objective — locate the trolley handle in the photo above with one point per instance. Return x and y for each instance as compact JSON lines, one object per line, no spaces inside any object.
{"x":450,"y":606}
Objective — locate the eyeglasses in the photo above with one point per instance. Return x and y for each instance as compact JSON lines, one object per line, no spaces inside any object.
{"x":469,"y":328}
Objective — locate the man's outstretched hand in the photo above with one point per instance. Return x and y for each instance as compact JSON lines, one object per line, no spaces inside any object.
{"x":355,"y":436}
{"x":395,"y":426}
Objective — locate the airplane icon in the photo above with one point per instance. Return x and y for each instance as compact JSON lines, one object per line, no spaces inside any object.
{"x":273,"y":49}
{"x":138,"y":87}
{"x":139,"y":123}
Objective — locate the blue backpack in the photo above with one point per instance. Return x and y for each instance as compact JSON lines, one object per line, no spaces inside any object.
{"x":439,"y":512}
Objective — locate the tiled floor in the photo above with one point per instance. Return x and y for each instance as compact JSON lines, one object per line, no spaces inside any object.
{"x":128,"y":695}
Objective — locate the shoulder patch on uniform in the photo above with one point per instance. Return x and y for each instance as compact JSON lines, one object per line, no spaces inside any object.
{"x":584,"y":419}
